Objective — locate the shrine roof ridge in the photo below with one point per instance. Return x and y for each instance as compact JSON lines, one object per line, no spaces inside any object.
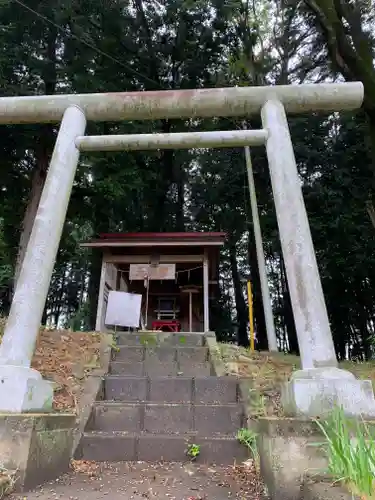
{"x":169,"y":238}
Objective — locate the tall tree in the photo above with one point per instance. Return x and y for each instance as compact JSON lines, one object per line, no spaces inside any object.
{"x":345,"y":29}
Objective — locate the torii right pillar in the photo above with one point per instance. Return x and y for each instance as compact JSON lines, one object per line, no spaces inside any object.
{"x":320,"y":384}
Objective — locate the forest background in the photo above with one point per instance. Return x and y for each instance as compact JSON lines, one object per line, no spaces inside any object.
{"x":71,"y":46}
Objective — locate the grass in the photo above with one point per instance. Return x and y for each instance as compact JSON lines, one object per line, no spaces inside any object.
{"x":350,"y":448}
{"x":268,"y":371}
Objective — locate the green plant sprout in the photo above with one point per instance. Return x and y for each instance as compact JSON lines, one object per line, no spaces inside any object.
{"x":258,"y":403}
{"x":248,"y":438}
{"x":114,"y":346}
{"x":193,"y":451}
{"x":148,"y":340}
{"x":113,"y":342}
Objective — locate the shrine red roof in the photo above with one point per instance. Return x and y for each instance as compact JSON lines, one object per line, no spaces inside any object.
{"x":164,"y":239}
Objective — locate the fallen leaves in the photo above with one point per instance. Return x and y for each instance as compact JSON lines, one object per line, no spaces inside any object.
{"x":87,"y":467}
{"x":66,"y":358}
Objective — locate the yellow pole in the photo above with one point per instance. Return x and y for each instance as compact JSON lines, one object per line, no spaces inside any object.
{"x":251,"y":317}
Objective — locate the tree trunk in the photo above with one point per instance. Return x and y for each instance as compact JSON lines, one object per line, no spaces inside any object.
{"x":340,"y":340}
{"x":350,"y":46}
{"x":242,"y":336}
{"x":162,"y":219}
{"x":288,"y":312}
{"x":93,"y":288}
{"x":37,"y":185}
{"x":260,"y":322}
{"x":6,"y":299}
{"x":43,"y":150}
{"x":180,"y":203}
{"x":59,"y":299}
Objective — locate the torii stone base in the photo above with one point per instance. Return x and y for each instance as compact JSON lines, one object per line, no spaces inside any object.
{"x":23,"y":389}
{"x":315,"y":392}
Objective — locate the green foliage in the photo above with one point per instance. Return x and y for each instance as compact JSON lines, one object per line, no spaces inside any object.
{"x":113,"y":344}
{"x":5,"y":268}
{"x":257,"y":403}
{"x":149,"y":340}
{"x":350,"y":450}
{"x":6,"y":273}
{"x":248,"y":438}
{"x":193,"y":451}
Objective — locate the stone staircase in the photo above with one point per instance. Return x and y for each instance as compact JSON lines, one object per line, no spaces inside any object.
{"x":160,"y":396}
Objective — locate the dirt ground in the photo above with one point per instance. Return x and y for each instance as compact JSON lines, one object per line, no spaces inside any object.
{"x":139,"y":481}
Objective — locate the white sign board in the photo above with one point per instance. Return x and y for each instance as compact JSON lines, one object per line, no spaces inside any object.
{"x":158,"y":272}
{"x":123,"y":309}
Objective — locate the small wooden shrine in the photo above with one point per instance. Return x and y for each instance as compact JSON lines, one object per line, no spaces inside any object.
{"x":176,"y":273}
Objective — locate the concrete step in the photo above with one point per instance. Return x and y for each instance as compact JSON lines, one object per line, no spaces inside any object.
{"x":167,"y":418}
{"x":158,"y":369}
{"x":146,"y":447}
{"x":160,"y":354}
{"x":151,"y":339}
{"x":203,"y":390}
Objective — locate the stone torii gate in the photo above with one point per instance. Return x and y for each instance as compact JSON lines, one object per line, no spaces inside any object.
{"x":312,"y":390}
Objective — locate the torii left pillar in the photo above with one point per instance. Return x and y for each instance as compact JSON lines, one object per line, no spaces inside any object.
{"x":22,"y":388}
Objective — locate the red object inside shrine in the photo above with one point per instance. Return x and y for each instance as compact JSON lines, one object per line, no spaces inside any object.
{"x":166,"y":325}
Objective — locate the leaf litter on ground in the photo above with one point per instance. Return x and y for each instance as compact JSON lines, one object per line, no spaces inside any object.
{"x":65,"y":358}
